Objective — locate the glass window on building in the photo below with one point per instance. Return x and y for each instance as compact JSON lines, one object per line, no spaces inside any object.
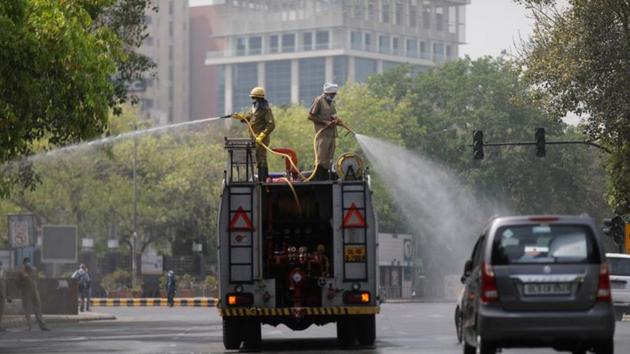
{"x":255,"y":45}
{"x":312,"y":77}
{"x":413,"y":13}
{"x":439,"y":19}
{"x":364,"y":68}
{"x":274,"y":43}
{"x":241,"y":46}
{"x":424,"y":50}
{"x":385,"y":9}
{"x":340,"y":70}
{"x":426,"y":17}
{"x":278,"y":82}
{"x":220,"y":70}
{"x":368,"y":42}
{"x":372,"y":12}
{"x":245,"y":77}
{"x":356,"y":40}
{"x":452,"y":19}
{"x":322,"y":39}
{"x":396,"y":45}
{"x":307,"y":41}
{"x":449,"y":51}
{"x":383,"y":44}
{"x":388,"y":65}
{"x":438,"y":51}
{"x":288,"y":42}
{"x":399,"y":13}
{"x":412,"y":48}
{"x":357,"y":9}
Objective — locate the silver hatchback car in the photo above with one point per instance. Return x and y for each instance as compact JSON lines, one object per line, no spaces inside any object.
{"x":538,"y":281}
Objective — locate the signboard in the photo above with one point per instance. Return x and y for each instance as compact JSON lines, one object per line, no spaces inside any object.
{"x":21,"y":230}
{"x":59,"y":244}
{"x":152,"y":264}
{"x":6,"y":257}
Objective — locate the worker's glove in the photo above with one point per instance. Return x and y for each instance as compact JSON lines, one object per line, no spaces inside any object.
{"x":260,"y":138}
{"x":238,"y":116}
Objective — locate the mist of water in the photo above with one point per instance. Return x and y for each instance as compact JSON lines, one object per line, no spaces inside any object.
{"x":111,"y":139}
{"x":445,"y":216}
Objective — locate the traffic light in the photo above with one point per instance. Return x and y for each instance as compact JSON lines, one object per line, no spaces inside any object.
{"x":540,"y":142}
{"x":478,"y":145}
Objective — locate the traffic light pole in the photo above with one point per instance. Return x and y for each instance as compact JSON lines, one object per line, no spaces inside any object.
{"x":565,"y":142}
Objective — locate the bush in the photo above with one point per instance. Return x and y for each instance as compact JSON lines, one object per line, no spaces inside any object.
{"x":118,"y":280}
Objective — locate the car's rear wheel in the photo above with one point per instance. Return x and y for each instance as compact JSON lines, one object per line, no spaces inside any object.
{"x":484,"y":347}
{"x":605,"y":347}
{"x":458,"y":324}
{"x":346,"y":332}
{"x":366,"y":329}
{"x":469,"y":349}
{"x":231,"y":335}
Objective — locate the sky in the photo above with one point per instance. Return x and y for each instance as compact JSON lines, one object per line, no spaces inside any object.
{"x":493,"y":26}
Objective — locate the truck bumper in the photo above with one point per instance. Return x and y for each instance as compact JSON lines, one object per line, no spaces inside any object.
{"x":298,"y":311}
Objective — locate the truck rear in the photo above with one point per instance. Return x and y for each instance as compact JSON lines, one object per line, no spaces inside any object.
{"x":296,"y":253}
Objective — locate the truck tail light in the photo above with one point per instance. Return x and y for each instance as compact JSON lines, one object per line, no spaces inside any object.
{"x":603,"y":289}
{"x":357,"y":297}
{"x":489,"y":291}
{"x":240,"y":299}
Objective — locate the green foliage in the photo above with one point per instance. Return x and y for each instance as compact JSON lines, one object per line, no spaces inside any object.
{"x":579,"y":59}
{"x":63,"y":66}
{"x":118,"y":280}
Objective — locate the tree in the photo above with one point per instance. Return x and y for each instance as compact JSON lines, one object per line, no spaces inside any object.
{"x":579,"y":59}
{"x":63,"y":66}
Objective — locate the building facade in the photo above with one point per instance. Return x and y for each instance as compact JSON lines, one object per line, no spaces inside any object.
{"x":163,"y":93}
{"x":293,"y":47}
{"x":396,"y":266}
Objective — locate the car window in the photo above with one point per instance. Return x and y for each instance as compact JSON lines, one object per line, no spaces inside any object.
{"x":619,"y":266}
{"x":476,"y":256}
{"x":521,"y":244}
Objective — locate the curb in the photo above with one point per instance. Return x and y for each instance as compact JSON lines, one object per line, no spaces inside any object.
{"x":421,"y":301}
{"x":20,"y":321}
{"x":154,"y":302}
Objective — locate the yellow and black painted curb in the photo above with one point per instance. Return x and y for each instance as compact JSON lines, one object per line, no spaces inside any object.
{"x":149,"y":302}
{"x":303,"y":311}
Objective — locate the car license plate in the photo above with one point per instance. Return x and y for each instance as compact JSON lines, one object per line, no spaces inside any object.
{"x":547,"y":289}
{"x":618,"y":284}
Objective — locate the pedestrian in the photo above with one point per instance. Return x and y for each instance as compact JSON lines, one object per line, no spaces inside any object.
{"x":27,"y":282}
{"x":324,"y":116}
{"x":171,"y":287}
{"x":3,"y":295}
{"x":83,"y":277}
{"x":262,"y":122}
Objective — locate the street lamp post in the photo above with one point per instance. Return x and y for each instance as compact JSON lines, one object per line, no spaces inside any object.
{"x":134,"y":237}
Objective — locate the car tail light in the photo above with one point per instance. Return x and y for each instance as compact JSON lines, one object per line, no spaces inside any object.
{"x":356,"y":297}
{"x":489,"y":292}
{"x":239,"y":299}
{"x":603,"y":289}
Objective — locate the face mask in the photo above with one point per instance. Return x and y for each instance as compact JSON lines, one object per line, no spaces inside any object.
{"x":27,"y":264}
{"x":329,"y":98}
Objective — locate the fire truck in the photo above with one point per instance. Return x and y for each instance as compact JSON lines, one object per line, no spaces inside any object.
{"x":296,"y":252}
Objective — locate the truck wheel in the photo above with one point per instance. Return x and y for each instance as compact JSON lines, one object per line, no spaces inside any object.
{"x":366,"y":329}
{"x":252,"y":335}
{"x":346,"y":332}
{"x":231,"y":336}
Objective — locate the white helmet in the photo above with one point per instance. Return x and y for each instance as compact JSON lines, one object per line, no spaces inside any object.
{"x":329,"y":87}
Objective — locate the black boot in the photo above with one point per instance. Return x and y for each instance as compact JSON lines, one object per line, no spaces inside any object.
{"x":263,"y":172}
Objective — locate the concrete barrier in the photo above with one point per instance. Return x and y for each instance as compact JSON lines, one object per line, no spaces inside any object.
{"x":149,"y":302}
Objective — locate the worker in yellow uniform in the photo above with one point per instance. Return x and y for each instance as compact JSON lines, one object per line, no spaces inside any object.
{"x":262,"y":122}
{"x":324,"y":117}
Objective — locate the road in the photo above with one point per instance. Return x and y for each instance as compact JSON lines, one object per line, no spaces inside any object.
{"x":401,"y":328}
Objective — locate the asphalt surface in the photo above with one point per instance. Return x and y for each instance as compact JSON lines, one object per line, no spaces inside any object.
{"x":401,"y":328}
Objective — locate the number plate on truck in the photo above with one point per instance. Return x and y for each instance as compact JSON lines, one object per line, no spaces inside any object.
{"x":547,"y":289}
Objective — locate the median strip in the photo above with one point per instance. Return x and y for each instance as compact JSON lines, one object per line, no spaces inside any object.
{"x":154,"y":302}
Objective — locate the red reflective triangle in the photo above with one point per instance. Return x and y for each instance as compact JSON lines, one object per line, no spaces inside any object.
{"x":241,"y":221}
{"x":353,"y":218}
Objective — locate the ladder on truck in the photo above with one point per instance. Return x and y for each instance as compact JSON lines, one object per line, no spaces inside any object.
{"x":239,"y":181}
